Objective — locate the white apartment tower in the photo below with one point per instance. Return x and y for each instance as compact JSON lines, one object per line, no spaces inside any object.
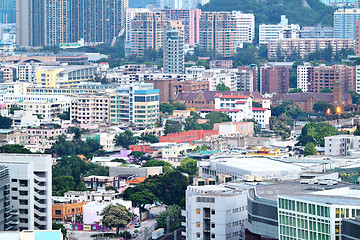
{"x":215,"y":212}
{"x":245,"y":27}
{"x":31,"y":189}
{"x":278,"y":31}
{"x":303,"y":80}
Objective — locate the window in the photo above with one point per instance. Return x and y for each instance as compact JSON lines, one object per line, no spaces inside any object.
{"x":198,"y":235}
{"x":57,"y":212}
{"x":213,"y":235}
{"x":213,"y":211}
{"x":197,"y":224}
{"x":197,"y":211}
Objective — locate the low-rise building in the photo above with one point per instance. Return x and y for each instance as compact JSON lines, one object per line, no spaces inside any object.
{"x":234,"y":128}
{"x":341,"y":145}
{"x":187,"y":137}
{"x":95,"y":182}
{"x":135,"y":170}
{"x":66,"y":209}
{"x":90,"y":108}
{"x":93,"y":196}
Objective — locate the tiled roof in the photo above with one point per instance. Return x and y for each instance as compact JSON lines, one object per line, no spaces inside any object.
{"x":219,"y":110}
{"x":259,"y":109}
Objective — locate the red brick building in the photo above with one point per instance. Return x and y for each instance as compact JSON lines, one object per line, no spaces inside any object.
{"x":274,"y":80}
{"x":187,"y":137}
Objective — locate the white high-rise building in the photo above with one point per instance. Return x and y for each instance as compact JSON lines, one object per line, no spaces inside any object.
{"x":278,"y":31}
{"x":215,"y":212}
{"x":303,"y":77}
{"x":245,"y":27}
{"x":31,"y":189}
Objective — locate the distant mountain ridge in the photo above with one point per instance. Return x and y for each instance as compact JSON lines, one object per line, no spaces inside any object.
{"x":302,"y":12}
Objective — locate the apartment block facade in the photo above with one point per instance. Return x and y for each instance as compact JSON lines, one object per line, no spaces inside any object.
{"x":326,"y":76}
{"x":190,"y":18}
{"x":218,"y":32}
{"x":345,"y":22}
{"x":90,"y":108}
{"x":52,"y":22}
{"x":274,"y":80}
{"x":137,"y":104}
{"x":147,"y":30}
{"x":30,"y":189}
{"x":174,"y":56}
{"x":7,"y":222}
{"x":215,"y":212}
{"x":303,"y":47}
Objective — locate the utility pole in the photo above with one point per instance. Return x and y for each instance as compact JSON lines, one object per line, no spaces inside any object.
{"x":167,"y":224}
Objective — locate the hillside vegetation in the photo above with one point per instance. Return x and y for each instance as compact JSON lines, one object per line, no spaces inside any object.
{"x":303,"y":12}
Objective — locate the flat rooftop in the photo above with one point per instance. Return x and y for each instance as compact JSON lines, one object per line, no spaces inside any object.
{"x":294,"y":188}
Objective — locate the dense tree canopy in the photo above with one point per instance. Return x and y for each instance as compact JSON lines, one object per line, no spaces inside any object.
{"x":172,"y":127}
{"x":189,"y":166}
{"x":322,"y":107}
{"x":5,"y":122}
{"x":63,"y":147}
{"x":310,"y":149}
{"x":117,"y":216}
{"x":14,"y":148}
{"x":289,"y":108}
{"x":151,"y":138}
{"x":315,"y":132}
{"x":125,"y":139}
{"x":173,"y":215}
{"x":280,"y":126}
{"x":222,"y":87}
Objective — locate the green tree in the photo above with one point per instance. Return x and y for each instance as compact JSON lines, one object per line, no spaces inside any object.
{"x":62,"y":184}
{"x":189,"y":166}
{"x":289,"y":108}
{"x":310,"y":149}
{"x":217,"y":117}
{"x":65,"y":115}
{"x":295,"y":90}
{"x":151,"y":138}
{"x":14,"y":148}
{"x":167,"y":108}
{"x":222,"y":87}
{"x":5,"y":122}
{"x":172,"y":127}
{"x":142,"y":197}
{"x":173,"y":215}
{"x":139,"y":157}
{"x":355,"y":97}
{"x":117,"y":216}
{"x":13,"y":109}
{"x":316,"y":132}
{"x":326,"y":90}
{"x":125,"y":139}
{"x":280,"y":126}
{"x":322,"y":107}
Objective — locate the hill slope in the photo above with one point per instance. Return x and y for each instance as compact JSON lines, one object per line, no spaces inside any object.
{"x":303,"y":12}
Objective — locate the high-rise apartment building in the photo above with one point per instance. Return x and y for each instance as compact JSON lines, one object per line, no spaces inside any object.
{"x":7,"y":11}
{"x":327,"y":76}
{"x":278,"y":31}
{"x":190,"y":18}
{"x":174,"y":57}
{"x":147,"y":29}
{"x":255,"y":75}
{"x":245,"y":27}
{"x":304,"y":78}
{"x":30,"y":189}
{"x":274,"y":80}
{"x":6,"y":222}
{"x":137,"y":104}
{"x":218,"y":32}
{"x":30,"y":22}
{"x":51,"y":22}
{"x":345,"y":22}
{"x":317,"y":32}
{"x":357,"y":38}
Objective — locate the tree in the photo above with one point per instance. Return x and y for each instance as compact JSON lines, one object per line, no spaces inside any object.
{"x":322,"y":107}
{"x":125,"y":139}
{"x":289,"y":108}
{"x":217,"y":117}
{"x":310,"y":149}
{"x":167,"y":108}
{"x":62,"y":184}
{"x":357,"y":131}
{"x":151,"y":138}
{"x":189,"y":166}
{"x":295,"y":90}
{"x":116,"y":216}
{"x":326,"y":90}
{"x":280,"y":126}
{"x":65,"y":115}
{"x":143,"y":197}
{"x":139,"y":157}
{"x":5,"y":122}
{"x":173,"y":215}
{"x":316,"y":132}
{"x":172,"y":127}
{"x":222,"y":87}
{"x":355,"y":97}
{"x":14,"y":148}
{"x":167,"y":167}
{"x":257,"y":104}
